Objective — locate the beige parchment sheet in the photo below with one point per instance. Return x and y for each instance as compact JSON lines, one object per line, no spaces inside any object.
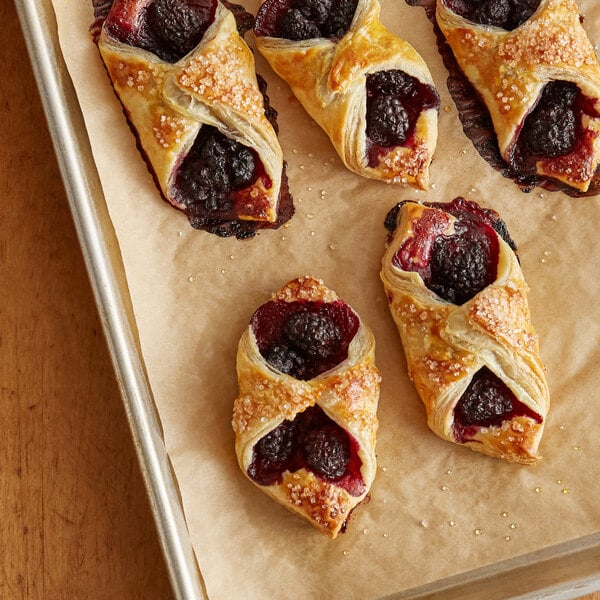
{"x":436,"y":509}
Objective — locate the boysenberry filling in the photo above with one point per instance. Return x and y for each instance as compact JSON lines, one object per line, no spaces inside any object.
{"x":506,"y":14}
{"x":487,"y":402}
{"x":168,"y":28}
{"x":458,"y":266}
{"x":394,"y":102}
{"x":553,"y":128}
{"x":305,"y":19}
{"x":311,"y":441}
{"x":304,"y":339}
{"x":211,"y":179}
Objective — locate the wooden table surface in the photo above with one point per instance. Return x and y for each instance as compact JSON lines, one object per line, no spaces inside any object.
{"x":76,"y":521}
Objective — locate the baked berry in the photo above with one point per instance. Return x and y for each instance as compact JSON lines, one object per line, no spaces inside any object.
{"x":395,"y":101}
{"x":304,"y":339}
{"x":487,"y":401}
{"x":387,"y":121}
{"x":168,"y":28}
{"x":493,"y":12}
{"x":462,"y":264}
{"x":506,"y":14}
{"x":294,"y":25}
{"x":340,"y":18}
{"x":277,"y":445}
{"x":314,"y":442}
{"x":286,"y":359}
{"x":551,"y":128}
{"x":317,"y":11}
{"x":177,"y":26}
{"x":327,"y":451}
{"x":214,"y":168}
{"x":455,"y":266}
{"x":315,"y":335}
{"x":305,"y":19}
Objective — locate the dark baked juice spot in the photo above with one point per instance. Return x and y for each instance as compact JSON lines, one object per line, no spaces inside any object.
{"x":311,"y":441}
{"x":487,"y":402}
{"x":305,"y":19}
{"x":394,"y":102}
{"x":304,"y":339}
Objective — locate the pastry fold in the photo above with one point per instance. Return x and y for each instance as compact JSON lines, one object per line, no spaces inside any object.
{"x":169,"y":103}
{"x":448,"y":347}
{"x":509,"y":70}
{"x":343,"y":398}
{"x":328,"y":77}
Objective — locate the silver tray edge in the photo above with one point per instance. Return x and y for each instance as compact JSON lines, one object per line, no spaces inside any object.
{"x":105,"y":270}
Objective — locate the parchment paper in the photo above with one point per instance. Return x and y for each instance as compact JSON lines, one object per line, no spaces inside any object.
{"x":436,"y":509}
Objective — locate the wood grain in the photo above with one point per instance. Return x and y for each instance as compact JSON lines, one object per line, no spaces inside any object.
{"x":76,"y":520}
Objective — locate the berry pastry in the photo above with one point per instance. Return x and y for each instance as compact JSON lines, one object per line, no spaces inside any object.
{"x":535,"y":69}
{"x":305,"y":419}
{"x":186,"y":80}
{"x":367,"y":89}
{"x":458,"y":297}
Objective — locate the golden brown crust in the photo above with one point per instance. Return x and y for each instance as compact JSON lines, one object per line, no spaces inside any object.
{"x":328,"y":78}
{"x":214,"y":85}
{"x":510,"y":68}
{"x":446,"y":344}
{"x":348,"y":394}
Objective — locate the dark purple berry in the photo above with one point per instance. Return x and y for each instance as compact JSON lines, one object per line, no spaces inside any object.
{"x":551,"y":129}
{"x":294,"y":25}
{"x":215,"y":167}
{"x":493,"y":12}
{"x":327,"y":451}
{"x":285,"y":359}
{"x":506,"y":14}
{"x":315,"y":335}
{"x":387,"y":121}
{"x":317,"y":11}
{"x":395,"y":100}
{"x":462,"y":265}
{"x":487,"y":401}
{"x":178,"y":25}
{"x":391,"y":83}
{"x":340,"y":18}
{"x":277,"y":445}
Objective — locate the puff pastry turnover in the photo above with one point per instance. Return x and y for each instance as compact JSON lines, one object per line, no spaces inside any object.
{"x":188,"y":85}
{"x":305,"y":419}
{"x":369,"y":90}
{"x":535,"y":69}
{"x":458,"y":297}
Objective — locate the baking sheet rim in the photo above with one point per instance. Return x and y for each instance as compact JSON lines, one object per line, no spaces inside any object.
{"x":552,"y":579}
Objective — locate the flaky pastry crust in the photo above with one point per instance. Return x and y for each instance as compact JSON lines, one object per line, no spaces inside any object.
{"x":446,"y":344}
{"x":215,"y":84}
{"x":348,"y":394}
{"x":328,"y":78}
{"x":509,"y":69}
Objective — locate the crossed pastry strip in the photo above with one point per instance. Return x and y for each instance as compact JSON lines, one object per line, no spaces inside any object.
{"x":328,"y":77}
{"x":510,"y":69}
{"x":342,"y":400}
{"x":449,"y":347}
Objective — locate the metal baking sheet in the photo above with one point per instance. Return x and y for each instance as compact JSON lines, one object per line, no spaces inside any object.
{"x":564,"y":571}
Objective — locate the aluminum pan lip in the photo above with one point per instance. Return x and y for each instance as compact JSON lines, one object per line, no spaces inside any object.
{"x":501,"y":581}
{"x":100,"y":250}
